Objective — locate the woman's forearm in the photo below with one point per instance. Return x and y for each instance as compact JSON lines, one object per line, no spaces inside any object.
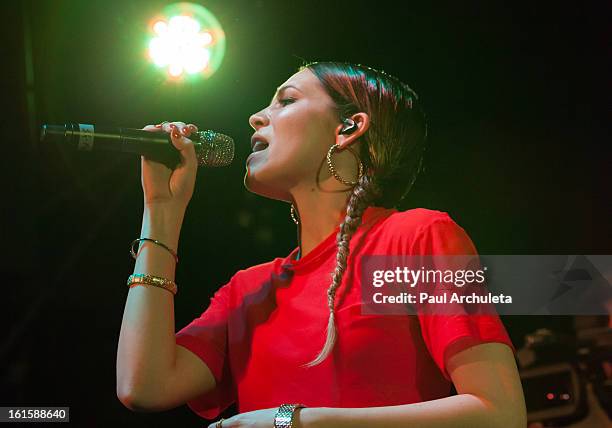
{"x":146,"y":350}
{"x":463,"y":410}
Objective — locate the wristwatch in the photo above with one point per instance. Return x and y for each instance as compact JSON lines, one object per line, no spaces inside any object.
{"x":284,"y":415}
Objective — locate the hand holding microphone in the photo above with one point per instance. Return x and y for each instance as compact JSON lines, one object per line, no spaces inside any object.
{"x":171,"y":187}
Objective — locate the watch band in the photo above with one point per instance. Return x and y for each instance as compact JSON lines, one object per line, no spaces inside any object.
{"x":284,"y":415}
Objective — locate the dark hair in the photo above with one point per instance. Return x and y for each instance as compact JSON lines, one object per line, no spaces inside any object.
{"x":392,"y":151}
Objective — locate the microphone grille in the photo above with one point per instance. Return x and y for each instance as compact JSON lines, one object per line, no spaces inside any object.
{"x":214,"y":149}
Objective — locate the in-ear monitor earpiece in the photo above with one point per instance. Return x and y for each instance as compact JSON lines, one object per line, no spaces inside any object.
{"x":350,"y":126}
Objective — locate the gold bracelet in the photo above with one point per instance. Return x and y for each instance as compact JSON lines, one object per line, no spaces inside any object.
{"x":144,"y":279}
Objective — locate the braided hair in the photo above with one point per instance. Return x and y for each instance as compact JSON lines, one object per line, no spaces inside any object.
{"x":392,"y":152}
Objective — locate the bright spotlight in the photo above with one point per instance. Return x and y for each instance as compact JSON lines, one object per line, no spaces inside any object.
{"x":186,"y":40}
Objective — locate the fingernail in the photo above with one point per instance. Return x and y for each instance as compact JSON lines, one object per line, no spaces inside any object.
{"x":186,"y":131}
{"x":175,"y":134}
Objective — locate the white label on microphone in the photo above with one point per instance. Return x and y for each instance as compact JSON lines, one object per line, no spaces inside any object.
{"x":86,"y":137}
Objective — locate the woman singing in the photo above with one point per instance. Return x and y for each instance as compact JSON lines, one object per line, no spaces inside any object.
{"x":288,"y":340}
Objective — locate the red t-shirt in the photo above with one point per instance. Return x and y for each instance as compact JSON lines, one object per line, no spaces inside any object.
{"x":270,"y":319}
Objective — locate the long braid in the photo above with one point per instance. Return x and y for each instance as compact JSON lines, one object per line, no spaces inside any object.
{"x":392,"y":150}
{"x":361,"y":197}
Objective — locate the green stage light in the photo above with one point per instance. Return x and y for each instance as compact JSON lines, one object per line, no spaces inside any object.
{"x":187,"y":40}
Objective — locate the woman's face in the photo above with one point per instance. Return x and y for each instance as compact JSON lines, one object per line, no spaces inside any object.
{"x":299,"y":126}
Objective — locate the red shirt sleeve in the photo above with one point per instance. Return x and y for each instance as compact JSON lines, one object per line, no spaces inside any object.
{"x":206,"y":337}
{"x":445,"y":335}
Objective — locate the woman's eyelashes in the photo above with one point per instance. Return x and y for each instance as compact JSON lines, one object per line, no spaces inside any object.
{"x":286,"y":101}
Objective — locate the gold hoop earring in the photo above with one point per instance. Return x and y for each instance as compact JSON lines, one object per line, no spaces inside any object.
{"x":332,"y":169}
{"x":293,"y":217}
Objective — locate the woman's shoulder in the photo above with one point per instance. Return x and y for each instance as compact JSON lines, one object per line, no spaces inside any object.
{"x":253,"y":274}
{"x":415,"y":219}
{"x":430,"y":231}
{"x":406,"y":227}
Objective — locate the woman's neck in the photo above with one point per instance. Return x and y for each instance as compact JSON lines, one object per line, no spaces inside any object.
{"x":319,"y":214}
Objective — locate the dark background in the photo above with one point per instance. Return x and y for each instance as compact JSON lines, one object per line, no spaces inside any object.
{"x":517,"y":96}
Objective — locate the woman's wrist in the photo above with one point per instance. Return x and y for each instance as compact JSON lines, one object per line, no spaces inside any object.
{"x":162,"y":223}
{"x":311,"y":417}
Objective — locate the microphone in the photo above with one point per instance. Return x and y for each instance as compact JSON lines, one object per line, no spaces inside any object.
{"x":212,"y":149}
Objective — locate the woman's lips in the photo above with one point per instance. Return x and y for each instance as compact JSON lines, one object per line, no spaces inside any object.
{"x":258,"y":139}
{"x":255,"y":153}
{"x":259,"y":146}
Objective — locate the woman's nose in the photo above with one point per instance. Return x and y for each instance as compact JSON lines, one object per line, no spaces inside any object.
{"x":259,"y":119}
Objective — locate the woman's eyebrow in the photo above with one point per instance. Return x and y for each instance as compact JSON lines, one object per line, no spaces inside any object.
{"x":281,"y":89}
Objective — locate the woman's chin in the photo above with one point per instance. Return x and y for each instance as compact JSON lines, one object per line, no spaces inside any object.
{"x":261,"y":188}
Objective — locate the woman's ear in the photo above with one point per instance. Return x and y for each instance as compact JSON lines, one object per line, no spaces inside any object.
{"x":353,"y":130}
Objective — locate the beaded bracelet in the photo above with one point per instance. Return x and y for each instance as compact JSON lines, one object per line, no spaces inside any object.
{"x":157,"y":281}
{"x":155,"y":242}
